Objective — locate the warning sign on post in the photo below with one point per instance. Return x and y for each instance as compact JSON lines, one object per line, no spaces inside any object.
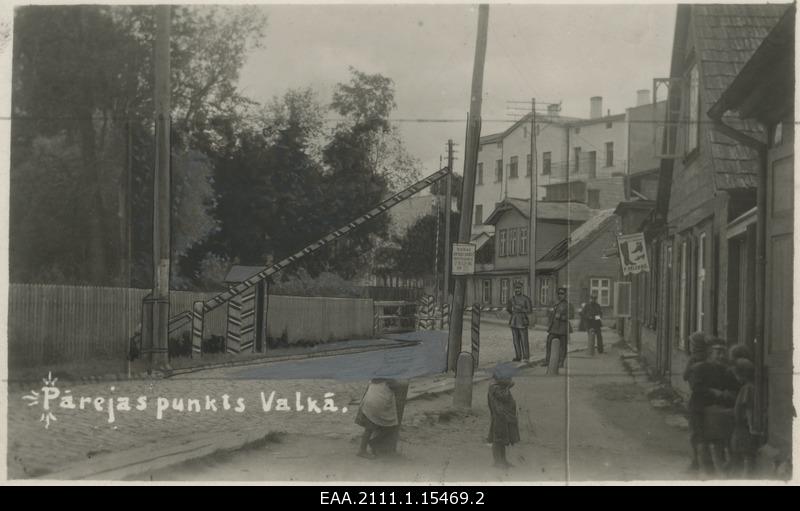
{"x":463,"y":259}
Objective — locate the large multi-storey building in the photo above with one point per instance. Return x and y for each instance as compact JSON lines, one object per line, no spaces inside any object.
{"x":583,"y":160}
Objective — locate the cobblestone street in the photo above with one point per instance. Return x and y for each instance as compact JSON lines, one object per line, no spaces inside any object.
{"x":81,"y":435}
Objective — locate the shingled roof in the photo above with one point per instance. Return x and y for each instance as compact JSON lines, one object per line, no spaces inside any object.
{"x":726,"y":36}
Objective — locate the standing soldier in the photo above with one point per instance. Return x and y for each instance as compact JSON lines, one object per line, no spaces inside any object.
{"x":594,"y":315}
{"x":559,"y":327}
{"x":519,"y":306}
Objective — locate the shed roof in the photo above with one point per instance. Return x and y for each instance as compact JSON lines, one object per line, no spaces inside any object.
{"x":579,"y":239}
{"x":545,"y":210}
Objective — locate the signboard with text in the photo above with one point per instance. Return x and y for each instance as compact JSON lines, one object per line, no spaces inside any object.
{"x":463,"y":259}
{"x":633,"y":253}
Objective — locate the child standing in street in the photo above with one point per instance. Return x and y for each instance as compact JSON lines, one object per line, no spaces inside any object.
{"x":504,"y":427}
{"x":699,"y":350}
{"x":743,"y":442}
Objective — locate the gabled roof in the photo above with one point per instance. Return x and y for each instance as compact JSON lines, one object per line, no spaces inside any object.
{"x":579,"y":239}
{"x":726,"y":36}
{"x":545,"y":210}
{"x":526,"y":119}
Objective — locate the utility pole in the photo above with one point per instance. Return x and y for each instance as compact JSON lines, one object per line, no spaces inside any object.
{"x":468,"y":190}
{"x":448,"y":201}
{"x":156,"y":305}
{"x":533,"y":211}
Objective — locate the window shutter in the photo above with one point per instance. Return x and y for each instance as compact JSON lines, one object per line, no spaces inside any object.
{"x":622,"y":299}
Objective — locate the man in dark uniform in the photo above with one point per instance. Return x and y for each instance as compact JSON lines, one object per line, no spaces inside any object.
{"x":559,"y":326}
{"x":519,"y":306}
{"x":593,"y":315}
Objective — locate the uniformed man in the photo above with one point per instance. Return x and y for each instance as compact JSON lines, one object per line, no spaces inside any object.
{"x":519,"y":306}
{"x":593,"y":315}
{"x":559,"y":326}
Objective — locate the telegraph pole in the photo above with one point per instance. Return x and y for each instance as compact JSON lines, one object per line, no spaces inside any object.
{"x":156,"y":305}
{"x":533,"y":212}
{"x":448,"y":201}
{"x":468,"y":190}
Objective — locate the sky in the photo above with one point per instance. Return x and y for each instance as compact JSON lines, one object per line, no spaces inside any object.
{"x":554,"y":53}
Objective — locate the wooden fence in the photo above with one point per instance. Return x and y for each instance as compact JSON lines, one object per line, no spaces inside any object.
{"x":49,"y":324}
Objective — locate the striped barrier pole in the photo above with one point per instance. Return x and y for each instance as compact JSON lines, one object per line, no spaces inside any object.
{"x":476,"y":333}
{"x":381,"y":208}
{"x":197,"y":329}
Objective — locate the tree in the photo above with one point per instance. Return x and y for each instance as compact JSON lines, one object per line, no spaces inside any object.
{"x":415,"y":253}
{"x":83,"y":77}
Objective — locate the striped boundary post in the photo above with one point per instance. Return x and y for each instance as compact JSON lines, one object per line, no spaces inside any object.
{"x":233,"y":337}
{"x":248,"y":319}
{"x":445,"y":316}
{"x":476,"y":333}
{"x":197,"y":329}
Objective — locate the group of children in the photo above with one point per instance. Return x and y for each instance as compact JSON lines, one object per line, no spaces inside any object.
{"x":721,"y":406}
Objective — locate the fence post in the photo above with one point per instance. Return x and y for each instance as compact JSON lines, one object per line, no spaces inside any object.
{"x":476,"y":333}
{"x":197,"y":329}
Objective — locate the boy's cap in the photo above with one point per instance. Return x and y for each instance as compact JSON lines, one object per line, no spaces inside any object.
{"x":698,"y":341}
{"x":504,"y":371}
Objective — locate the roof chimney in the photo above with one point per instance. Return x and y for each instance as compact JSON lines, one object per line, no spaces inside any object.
{"x":553,"y":110}
{"x":596,"y":107}
{"x":642,"y":97}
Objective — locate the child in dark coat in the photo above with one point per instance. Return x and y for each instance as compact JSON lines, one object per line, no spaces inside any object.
{"x":743,"y":443}
{"x":504,"y":428}
{"x":698,"y":353}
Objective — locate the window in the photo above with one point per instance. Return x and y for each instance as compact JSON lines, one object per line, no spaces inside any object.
{"x":603,"y":289}
{"x":478,"y":214}
{"x":592,"y":164}
{"x":523,"y":241}
{"x":512,"y":242}
{"x":682,"y":303}
{"x":524,"y":132}
{"x":609,"y":154}
{"x":480,"y":174}
{"x":545,"y":287}
{"x":777,"y":135}
{"x":692,"y":131}
{"x":503,"y":243}
{"x":498,"y":171}
{"x":609,"y":125}
{"x":577,"y":159}
{"x":701,"y":281}
{"x":503,"y":291}
{"x":593,"y":199}
{"x":529,"y":166}
{"x":513,"y":167}
{"x":487,"y":291}
{"x":546,"y":162}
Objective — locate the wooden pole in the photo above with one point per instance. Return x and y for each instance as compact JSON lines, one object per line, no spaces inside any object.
{"x":533,"y":212}
{"x":468,"y":190}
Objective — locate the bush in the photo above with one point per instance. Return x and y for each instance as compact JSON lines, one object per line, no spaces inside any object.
{"x":181,"y":346}
{"x":214,"y":344}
